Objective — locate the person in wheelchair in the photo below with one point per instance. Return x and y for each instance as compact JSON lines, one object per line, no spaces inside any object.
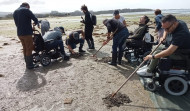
{"x":73,"y":39}
{"x":179,"y":41}
{"x":136,"y":38}
{"x":54,"y":39}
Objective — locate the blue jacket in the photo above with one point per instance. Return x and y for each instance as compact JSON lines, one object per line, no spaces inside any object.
{"x":158,"y":20}
{"x":22,"y":17}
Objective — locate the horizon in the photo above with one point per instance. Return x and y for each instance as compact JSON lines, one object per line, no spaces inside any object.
{"x":45,"y":6}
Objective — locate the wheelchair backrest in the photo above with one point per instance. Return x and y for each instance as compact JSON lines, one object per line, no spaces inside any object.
{"x":38,"y":42}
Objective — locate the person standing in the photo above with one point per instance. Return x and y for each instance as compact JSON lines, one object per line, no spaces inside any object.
{"x":88,"y":27}
{"x":22,"y":18}
{"x":45,"y":26}
{"x":120,"y":34}
{"x":158,"y":22}
{"x":118,"y":17}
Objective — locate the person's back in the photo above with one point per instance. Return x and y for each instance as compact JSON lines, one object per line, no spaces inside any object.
{"x":22,"y":17}
{"x":52,"y":35}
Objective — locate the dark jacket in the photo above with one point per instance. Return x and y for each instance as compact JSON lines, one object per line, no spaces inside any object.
{"x":113,"y":24}
{"x":139,"y":33}
{"x":88,"y":21}
{"x":22,"y":17}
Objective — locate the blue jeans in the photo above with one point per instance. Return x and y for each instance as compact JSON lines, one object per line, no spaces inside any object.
{"x":119,"y":40}
{"x":56,"y":44}
{"x":81,"y":41}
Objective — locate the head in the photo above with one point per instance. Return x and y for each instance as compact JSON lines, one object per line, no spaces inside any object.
{"x":157,"y":11}
{"x":76,"y":35}
{"x":116,"y":14}
{"x":84,"y":8}
{"x":62,"y":29}
{"x":144,"y":19}
{"x":24,"y":4}
{"x":169,"y":23}
{"x":105,"y":21}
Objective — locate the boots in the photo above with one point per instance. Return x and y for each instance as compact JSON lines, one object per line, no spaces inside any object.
{"x":92,"y":45}
{"x":80,"y":48}
{"x":29,"y":62}
{"x":89,"y":43}
{"x":120,"y":55}
{"x":114,"y":59}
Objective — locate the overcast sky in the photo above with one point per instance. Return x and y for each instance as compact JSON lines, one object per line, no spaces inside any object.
{"x":38,"y":6}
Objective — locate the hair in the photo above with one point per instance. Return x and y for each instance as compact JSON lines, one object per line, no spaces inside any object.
{"x":84,"y":7}
{"x":147,"y":19}
{"x":157,"y":11}
{"x":169,"y":18}
{"x":25,"y":4}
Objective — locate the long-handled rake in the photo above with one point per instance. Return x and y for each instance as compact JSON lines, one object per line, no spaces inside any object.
{"x":135,"y":71}
{"x":94,"y":55}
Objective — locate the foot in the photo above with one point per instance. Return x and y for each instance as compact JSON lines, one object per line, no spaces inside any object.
{"x":34,"y":66}
{"x":111,"y":63}
{"x":143,"y":72}
{"x":92,"y":48}
{"x":80,"y":50}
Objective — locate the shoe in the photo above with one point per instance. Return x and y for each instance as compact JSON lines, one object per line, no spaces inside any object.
{"x":65,"y":56}
{"x":143,"y":72}
{"x":80,"y":50}
{"x":143,"y":67}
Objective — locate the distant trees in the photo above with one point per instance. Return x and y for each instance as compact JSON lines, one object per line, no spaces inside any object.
{"x":79,"y":13}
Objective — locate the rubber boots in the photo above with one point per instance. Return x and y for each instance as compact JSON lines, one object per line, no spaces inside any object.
{"x":80,"y":48}
{"x":89,"y":44}
{"x":29,"y":62}
{"x":92,"y":45}
{"x":114,"y":59}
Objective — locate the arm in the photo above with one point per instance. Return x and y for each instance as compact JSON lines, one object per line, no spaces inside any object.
{"x":71,"y":50}
{"x":124,"y":22}
{"x":33,"y":17}
{"x":170,"y":50}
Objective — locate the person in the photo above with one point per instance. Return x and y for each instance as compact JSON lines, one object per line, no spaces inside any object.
{"x":118,"y":17}
{"x":88,"y":27}
{"x":73,"y":39}
{"x":179,"y":41}
{"x":22,"y":18}
{"x":56,"y":36}
{"x":158,"y":27}
{"x":139,"y":33}
{"x":45,"y":26}
{"x":120,"y":33}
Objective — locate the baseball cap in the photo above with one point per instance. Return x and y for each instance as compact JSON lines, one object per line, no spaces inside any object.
{"x":62,"y":29}
{"x":76,"y":35}
{"x":116,"y":12}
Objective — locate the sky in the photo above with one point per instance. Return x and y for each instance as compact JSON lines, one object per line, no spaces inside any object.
{"x":39,"y":6}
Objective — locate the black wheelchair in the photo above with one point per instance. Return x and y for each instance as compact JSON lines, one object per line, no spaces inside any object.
{"x":172,"y":75}
{"x":136,"y":50}
{"x":42,"y":53}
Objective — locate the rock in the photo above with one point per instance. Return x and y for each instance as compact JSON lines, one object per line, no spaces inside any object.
{"x":68,"y":101}
{"x":5,"y":44}
{"x":1,"y":75}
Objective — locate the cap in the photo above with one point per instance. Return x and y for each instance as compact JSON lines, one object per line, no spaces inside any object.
{"x":116,"y":12}
{"x":62,"y":29}
{"x":76,"y":35}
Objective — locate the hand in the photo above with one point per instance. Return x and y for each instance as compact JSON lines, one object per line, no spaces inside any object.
{"x":82,"y":21}
{"x":161,"y":40}
{"x":105,"y":42}
{"x":73,"y":52}
{"x":148,"y":57}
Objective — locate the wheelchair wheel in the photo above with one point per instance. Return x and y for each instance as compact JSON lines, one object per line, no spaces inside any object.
{"x":127,"y":57}
{"x":176,"y":86}
{"x":45,"y":60}
{"x":36,"y":57}
{"x":150,"y":85}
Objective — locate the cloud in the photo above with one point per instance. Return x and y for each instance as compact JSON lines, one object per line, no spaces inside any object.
{"x":8,"y":2}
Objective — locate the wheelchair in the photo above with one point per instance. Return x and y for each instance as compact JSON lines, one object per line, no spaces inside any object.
{"x":136,"y":50}
{"x":172,"y":75}
{"x":42,"y":53}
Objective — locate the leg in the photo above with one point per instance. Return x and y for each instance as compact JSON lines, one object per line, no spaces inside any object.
{"x":81,"y":41}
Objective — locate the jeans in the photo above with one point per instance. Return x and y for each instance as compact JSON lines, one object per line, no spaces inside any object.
{"x":119,"y":40}
{"x":81,"y":41}
{"x":56,"y":44}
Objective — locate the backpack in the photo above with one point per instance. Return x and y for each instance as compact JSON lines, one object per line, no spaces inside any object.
{"x":38,"y":42}
{"x":93,"y":18}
